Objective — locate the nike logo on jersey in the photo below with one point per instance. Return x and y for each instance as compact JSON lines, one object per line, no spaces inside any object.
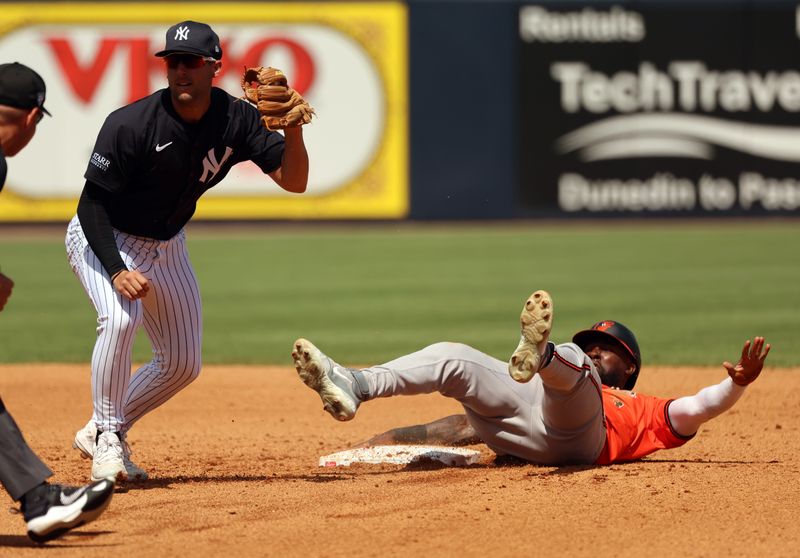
{"x":161,"y":148}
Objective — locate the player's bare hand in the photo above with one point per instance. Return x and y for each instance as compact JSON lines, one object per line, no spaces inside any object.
{"x":131,"y":284}
{"x":750,"y":364}
{"x":6,"y":284}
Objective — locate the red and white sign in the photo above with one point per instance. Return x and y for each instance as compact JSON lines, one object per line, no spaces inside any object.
{"x":93,"y":69}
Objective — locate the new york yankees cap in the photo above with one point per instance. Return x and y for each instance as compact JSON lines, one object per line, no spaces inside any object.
{"x":21,"y":87}
{"x":192,"y":37}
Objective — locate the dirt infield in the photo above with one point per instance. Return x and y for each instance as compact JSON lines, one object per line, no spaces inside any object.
{"x":233,"y":461}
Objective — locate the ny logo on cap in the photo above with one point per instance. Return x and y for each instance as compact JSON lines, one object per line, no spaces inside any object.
{"x":182,"y":33}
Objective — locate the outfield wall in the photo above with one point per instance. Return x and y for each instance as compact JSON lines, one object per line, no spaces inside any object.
{"x":563,"y":109}
{"x":349,"y":59}
{"x":444,"y":109}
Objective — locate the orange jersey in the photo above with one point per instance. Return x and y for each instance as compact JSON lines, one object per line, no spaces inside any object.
{"x":636,"y":425}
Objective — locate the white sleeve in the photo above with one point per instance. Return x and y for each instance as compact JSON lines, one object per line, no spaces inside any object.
{"x":686,"y":414}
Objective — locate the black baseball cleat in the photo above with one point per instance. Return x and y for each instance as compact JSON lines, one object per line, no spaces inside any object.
{"x":51,"y":509}
{"x":536,"y":322}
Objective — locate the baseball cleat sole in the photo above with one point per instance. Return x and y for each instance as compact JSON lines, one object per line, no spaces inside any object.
{"x":315,"y":370}
{"x":536,"y":322}
{"x":84,"y":440}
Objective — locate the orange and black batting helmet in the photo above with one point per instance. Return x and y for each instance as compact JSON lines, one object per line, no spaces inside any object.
{"x":614,"y":332}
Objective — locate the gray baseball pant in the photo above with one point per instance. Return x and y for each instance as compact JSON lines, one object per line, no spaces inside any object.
{"x":20,"y":468}
{"x":556,"y":418}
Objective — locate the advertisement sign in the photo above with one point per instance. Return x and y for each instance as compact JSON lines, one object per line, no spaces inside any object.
{"x":347,"y":59}
{"x":659,"y":108}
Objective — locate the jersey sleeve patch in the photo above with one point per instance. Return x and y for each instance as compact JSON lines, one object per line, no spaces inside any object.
{"x":114,"y":149}
{"x":100,"y":162}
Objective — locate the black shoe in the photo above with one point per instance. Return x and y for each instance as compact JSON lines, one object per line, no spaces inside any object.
{"x":51,"y":509}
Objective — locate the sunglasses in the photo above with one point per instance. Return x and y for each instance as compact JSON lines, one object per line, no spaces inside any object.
{"x":191,"y":61}
{"x":39,"y":116}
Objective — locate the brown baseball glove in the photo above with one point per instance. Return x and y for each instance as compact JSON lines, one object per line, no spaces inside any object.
{"x":280,"y":105}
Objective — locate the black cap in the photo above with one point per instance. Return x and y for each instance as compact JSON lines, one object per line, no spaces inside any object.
{"x":21,"y":87}
{"x":193,"y":38}
{"x":618,"y":334}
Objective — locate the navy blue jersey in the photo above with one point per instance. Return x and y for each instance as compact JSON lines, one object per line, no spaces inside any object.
{"x":156,"y":166}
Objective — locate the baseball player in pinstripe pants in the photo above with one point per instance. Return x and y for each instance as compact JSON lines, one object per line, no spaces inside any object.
{"x":152,"y":161}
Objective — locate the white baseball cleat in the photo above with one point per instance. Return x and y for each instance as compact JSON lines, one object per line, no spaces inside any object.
{"x":134,"y":472}
{"x":537,"y":323}
{"x":107,"y":459}
{"x":84,"y":442}
{"x":335,"y":384}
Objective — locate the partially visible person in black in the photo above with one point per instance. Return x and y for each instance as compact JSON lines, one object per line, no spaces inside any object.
{"x":50,"y":510}
{"x":152,"y":161}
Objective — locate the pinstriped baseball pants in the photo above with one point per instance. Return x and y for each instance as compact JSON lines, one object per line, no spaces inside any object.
{"x":170,"y":313}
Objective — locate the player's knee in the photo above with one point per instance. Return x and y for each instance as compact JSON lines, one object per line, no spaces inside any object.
{"x":122,"y":324}
{"x":455,"y":359}
{"x":180,"y":368}
{"x":446,"y":347}
{"x":193,"y":370}
{"x":185,"y":371}
{"x":446,"y":350}
{"x":571,"y":353}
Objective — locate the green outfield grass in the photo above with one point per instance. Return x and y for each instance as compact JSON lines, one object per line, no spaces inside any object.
{"x":692,"y":292}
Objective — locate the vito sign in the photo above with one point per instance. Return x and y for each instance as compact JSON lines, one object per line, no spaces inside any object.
{"x":96,"y":58}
